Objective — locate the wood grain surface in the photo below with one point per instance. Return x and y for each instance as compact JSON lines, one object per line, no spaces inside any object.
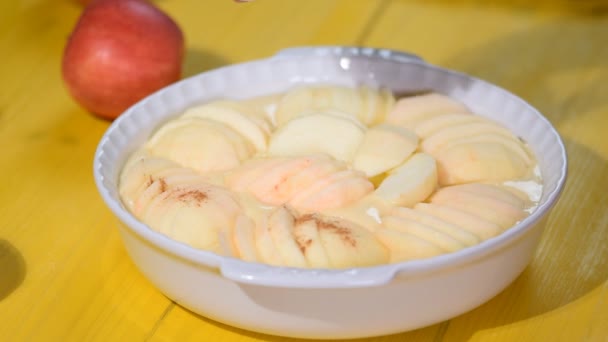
{"x":64,"y":274}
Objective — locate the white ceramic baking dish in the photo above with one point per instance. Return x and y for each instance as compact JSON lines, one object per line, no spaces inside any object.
{"x":329,"y":304}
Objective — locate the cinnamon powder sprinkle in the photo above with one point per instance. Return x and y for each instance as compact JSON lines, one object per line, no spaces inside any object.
{"x":343,"y":232}
{"x":303,"y":244}
{"x":149,"y":181}
{"x":196,"y":196}
{"x":163,"y":184}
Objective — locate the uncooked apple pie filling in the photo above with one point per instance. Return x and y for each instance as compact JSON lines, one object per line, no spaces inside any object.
{"x":331,"y":177}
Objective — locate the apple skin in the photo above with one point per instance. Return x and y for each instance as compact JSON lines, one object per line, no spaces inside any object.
{"x":119,"y":52}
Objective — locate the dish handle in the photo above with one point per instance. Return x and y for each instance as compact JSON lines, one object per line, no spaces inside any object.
{"x":264,"y":275}
{"x":347,"y":51}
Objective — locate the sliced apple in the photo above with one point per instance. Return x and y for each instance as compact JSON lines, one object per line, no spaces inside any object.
{"x":244,"y":239}
{"x":364,"y":103}
{"x":317,"y":133}
{"x":493,"y":191}
{"x":316,"y":98}
{"x":285,"y":188}
{"x":375,"y":104}
{"x":226,"y":243}
{"x":240,"y":178}
{"x":367,"y":212}
{"x":309,"y":241}
{"x":338,"y":194}
{"x":276,"y":183}
{"x":479,"y":162}
{"x":383,"y":147}
{"x":403,"y":246}
{"x":449,"y":134}
{"x":490,"y":209}
{"x":426,"y":128}
{"x":371,"y":106}
{"x":338,"y":113}
{"x":136,"y":176}
{"x":412,"y":109}
{"x":463,"y":236}
{"x":159,"y":182}
{"x":267,"y":188}
{"x":281,"y":226}
{"x":511,"y":144}
{"x":237,"y":118}
{"x":411,"y":182}
{"x":387,"y":104}
{"x":346,"y":244}
{"x":478,"y":226}
{"x":192,"y":215}
{"x":425,"y":232}
{"x":266,"y":248}
{"x":155,"y":214}
{"x":203,"y":145}
{"x":333,"y":191}
{"x":267,"y":105}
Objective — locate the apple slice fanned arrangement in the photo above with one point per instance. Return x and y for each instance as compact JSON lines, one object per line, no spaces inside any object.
{"x":330,"y":177}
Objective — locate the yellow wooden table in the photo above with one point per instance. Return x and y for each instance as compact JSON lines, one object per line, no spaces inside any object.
{"x":64,"y":274}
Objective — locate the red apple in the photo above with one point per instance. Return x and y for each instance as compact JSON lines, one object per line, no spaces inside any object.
{"x":119,"y":52}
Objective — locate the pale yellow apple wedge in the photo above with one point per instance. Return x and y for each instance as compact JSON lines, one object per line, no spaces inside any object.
{"x":511,"y":144}
{"x":367,"y":212}
{"x":332,"y":191}
{"x":236,"y":118}
{"x":365,"y":103}
{"x":266,"y":187}
{"x":425,"y":232}
{"x":403,"y":246}
{"x":159,"y":182}
{"x":383,"y":147}
{"x":449,"y":228}
{"x":320,"y":185}
{"x":346,"y":244}
{"x":182,"y":177}
{"x":320,"y":167}
{"x":340,"y":193}
{"x":201,"y":144}
{"x":408,"y":111}
{"x":478,"y":226}
{"x":267,"y":106}
{"x":136,"y":175}
{"x":411,"y":182}
{"x":479,"y":162}
{"x":298,"y":100}
{"x":277,"y":180}
{"x":240,"y":178}
{"x":375,"y":104}
{"x":337,"y":113}
{"x":226,"y":244}
{"x":252,"y":111}
{"x":281,"y":223}
{"x":308,"y":239}
{"x":157,"y":214}
{"x":490,"y":209}
{"x":317,"y":133}
{"x":244,"y":239}
{"x":493,"y":191}
{"x":178,"y":202}
{"x":266,"y":248}
{"x":426,"y":128}
{"x":192,"y":215}
{"x":449,"y":134}
{"x":137,"y":204}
